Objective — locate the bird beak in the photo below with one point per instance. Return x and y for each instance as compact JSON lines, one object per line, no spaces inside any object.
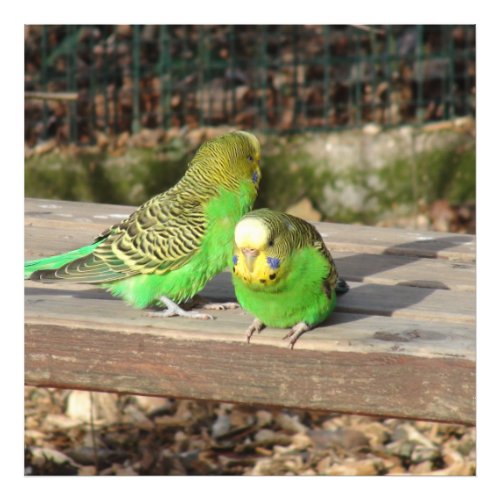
{"x":250,"y":254}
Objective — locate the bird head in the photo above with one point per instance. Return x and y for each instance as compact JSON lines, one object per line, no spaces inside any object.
{"x":257,"y":258}
{"x":229,"y":159}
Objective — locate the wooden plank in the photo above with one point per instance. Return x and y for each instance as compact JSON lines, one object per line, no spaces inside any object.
{"x":401,"y":342}
{"x":405,"y":270}
{"x":338,"y":237}
{"x":90,"y":307}
{"x":371,"y":269}
{"x":410,"y":302}
{"x":391,"y":241}
{"x":367,"y":268}
{"x":385,"y":300}
{"x":397,"y":301}
{"x":394,"y":384}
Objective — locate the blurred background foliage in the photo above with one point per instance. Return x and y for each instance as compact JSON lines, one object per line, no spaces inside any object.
{"x":369,"y":124}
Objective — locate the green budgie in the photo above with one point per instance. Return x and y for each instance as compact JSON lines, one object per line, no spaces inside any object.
{"x":283,"y":273}
{"x":169,"y":248}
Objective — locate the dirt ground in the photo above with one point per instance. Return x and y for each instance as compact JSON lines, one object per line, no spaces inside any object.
{"x":83,"y":433}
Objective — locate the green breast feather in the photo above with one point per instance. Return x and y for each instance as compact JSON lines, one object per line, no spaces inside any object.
{"x":169,"y":248}
{"x":282,"y":272}
{"x":221,"y":213}
{"x":300,"y":296}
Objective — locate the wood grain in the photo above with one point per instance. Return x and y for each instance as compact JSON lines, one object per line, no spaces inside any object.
{"x":89,"y":307}
{"x":403,"y":386}
{"x":400,"y":343}
{"x":338,"y":237}
{"x":360,"y":267}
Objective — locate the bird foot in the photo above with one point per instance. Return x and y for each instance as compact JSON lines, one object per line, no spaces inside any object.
{"x":173,"y":309}
{"x":295,"y":333}
{"x":220,"y":306}
{"x":213,"y":306}
{"x":256,"y":326}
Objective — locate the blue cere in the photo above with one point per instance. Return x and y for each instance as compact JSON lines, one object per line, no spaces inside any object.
{"x":273,"y":262}
{"x":255,"y":177}
{"x":235,"y":259}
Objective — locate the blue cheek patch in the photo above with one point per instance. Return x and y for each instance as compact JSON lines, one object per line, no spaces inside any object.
{"x":273,"y":262}
{"x":255,"y":177}
{"x":235,"y":259}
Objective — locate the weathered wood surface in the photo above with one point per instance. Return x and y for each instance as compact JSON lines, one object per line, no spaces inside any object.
{"x":401,"y":342}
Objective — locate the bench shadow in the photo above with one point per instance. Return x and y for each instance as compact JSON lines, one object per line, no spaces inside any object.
{"x":83,"y":294}
{"x":409,"y":252}
{"x":220,"y":288}
{"x":411,"y":292}
{"x":351,"y":303}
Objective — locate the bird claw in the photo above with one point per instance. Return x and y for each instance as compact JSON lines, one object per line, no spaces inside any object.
{"x":198,"y":315}
{"x":220,"y":306}
{"x":295,"y":333}
{"x":167,"y":313}
{"x":204,"y":303}
{"x":256,"y":326}
{"x":173,"y":309}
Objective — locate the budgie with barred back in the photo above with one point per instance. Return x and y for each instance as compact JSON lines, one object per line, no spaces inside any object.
{"x":170,"y":247}
{"x":283,"y":273}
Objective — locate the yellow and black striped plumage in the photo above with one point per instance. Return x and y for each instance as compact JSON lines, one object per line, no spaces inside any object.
{"x":189,"y":221}
{"x":283,"y":273}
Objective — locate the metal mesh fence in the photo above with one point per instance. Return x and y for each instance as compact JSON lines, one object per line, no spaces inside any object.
{"x":83,"y":79}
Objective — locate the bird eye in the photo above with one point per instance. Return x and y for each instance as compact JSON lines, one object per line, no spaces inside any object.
{"x":273,"y":262}
{"x":250,"y":158}
{"x":271,"y":243}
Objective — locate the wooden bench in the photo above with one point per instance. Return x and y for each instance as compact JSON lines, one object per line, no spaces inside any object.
{"x":401,"y":343}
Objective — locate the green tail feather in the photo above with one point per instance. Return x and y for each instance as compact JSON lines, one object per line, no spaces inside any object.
{"x":56,"y":261}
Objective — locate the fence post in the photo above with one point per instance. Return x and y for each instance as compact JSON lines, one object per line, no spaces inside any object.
{"x":359,"y":91}
{"x":451,"y":65}
{"x":44,"y":80}
{"x":92,"y":118}
{"x":202,"y":60}
{"x":466,"y":74}
{"x":326,"y":74}
{"x":295,"y":89}
{"x":263,"y":75}
{"x":136,"y":63}
{"x":165,"y":77}
{"x":232,"y":66}
{"x":420,"y":72}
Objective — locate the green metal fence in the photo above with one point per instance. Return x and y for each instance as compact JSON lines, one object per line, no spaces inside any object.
{"x":274,"y":78}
